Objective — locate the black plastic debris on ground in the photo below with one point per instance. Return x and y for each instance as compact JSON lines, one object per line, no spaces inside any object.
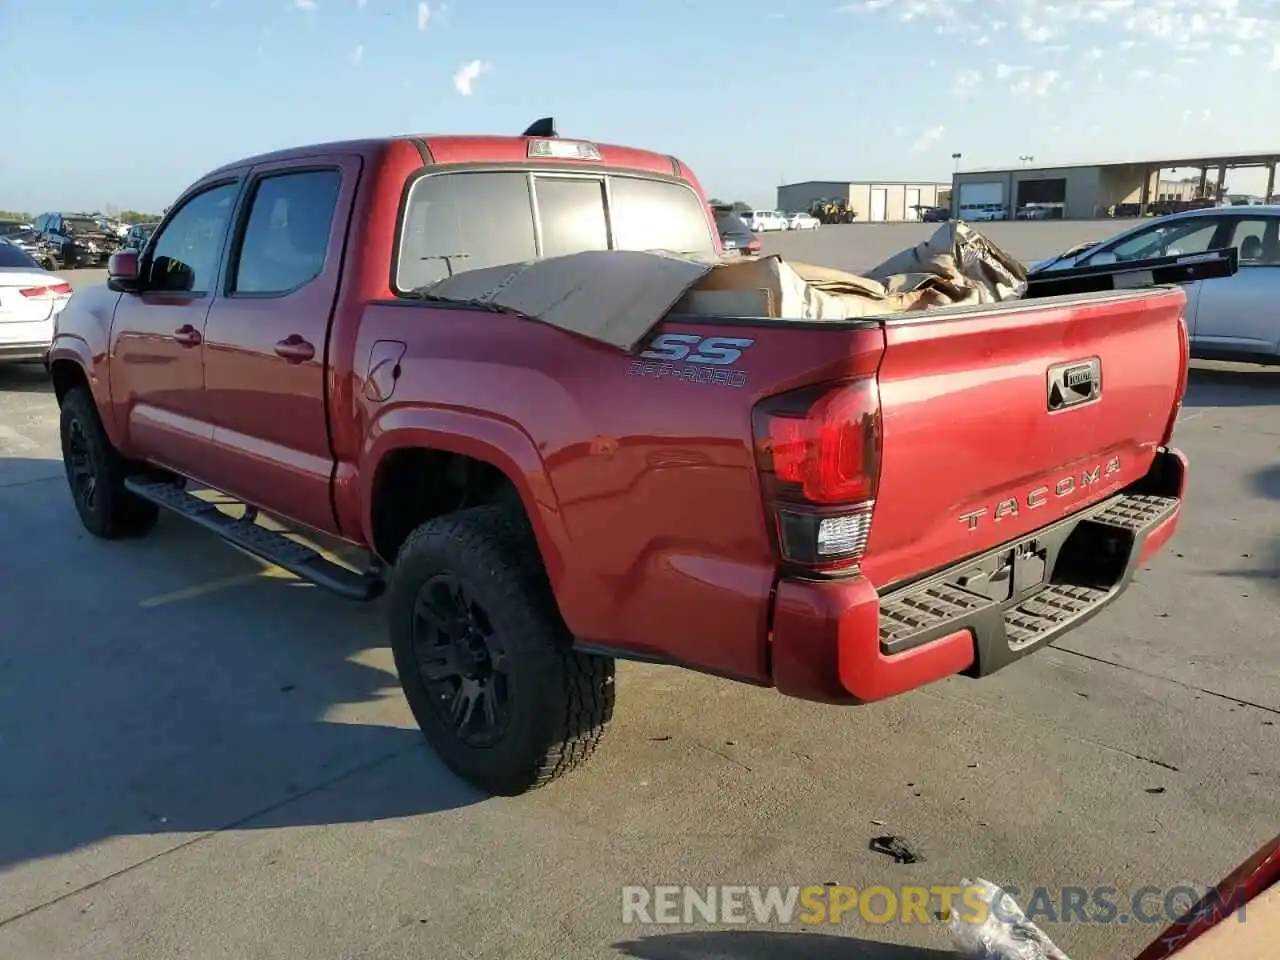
{"x":899,"y":848}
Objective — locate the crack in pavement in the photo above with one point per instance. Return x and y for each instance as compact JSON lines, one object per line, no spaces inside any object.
{"x":191,"y":841}
{"x":1181,"y":683}
{"x":5,"y":485}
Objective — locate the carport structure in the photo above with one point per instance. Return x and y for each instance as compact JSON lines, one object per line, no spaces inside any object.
{"x":1089,"y":190}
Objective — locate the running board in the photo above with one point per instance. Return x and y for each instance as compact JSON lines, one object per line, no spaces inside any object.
{"x":1077,"y":567}
{"x":250,"y":536}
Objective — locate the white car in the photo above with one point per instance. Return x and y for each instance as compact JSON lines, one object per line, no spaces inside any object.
{"x":30,"y":300}
{"x":803,"y":221}
{"x":980,"y":212}
{"x":1228,"y":318}
{"x":763,"y":221}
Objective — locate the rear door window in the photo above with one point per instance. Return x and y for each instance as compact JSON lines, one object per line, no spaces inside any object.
{"x":456,"y":222}
{"x":571,"y":213}
{"x":287,"y":236}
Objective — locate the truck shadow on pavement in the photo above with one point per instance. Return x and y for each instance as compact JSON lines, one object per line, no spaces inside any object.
{"x":24,"y":378}
{"x":1241,"y":385}
{"x":754,"y":945}
{"x":156,"y":689}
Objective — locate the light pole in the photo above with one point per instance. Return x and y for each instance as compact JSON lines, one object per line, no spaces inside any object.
{"x":1027,"y":159}
{"x":956,"y":157}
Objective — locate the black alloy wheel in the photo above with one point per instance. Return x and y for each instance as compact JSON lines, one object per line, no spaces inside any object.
{"x":80,"y":471}
{"x":461,"y":661}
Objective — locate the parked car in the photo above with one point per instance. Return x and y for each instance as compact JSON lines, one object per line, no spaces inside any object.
{"x":753,"y":497}
{"x":37,"y":247}
{"x":734,"y":235}
{"x":10,"y":227}
{"x":1229,"y":318}
{"x":78,"y":238}
{"x":30,"y":300}
{"x":138,"y":235}
{"x":803,"y":221}
{"x":764,"y":221}
{"x":983,"y":212}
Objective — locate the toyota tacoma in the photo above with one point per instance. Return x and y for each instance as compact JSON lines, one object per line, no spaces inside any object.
{"x":840,"y":510}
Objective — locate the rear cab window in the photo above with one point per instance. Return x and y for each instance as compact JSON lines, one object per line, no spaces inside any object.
{"x":456,"y":222}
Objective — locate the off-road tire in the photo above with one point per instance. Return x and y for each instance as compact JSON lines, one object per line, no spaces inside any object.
{"x":559,"y":701}
{"x":114,"y":512}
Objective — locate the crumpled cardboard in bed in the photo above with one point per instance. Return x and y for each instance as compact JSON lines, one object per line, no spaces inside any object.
{"x":617,"y":297}
{"x":964,"y":259}
{"x":612,"y":296}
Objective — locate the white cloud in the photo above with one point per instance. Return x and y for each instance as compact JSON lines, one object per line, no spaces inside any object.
{"x":1033,"y":30}
{"x":307,"y":6}
{"x":897,"y":131}
{"x":424,"y":17}
{"x":1195,"y":116}
{"x":1161,"y":31}
{"x":968,"y":79}
{"x":1036,"y":84}
{"x":467,"y":74}
{"x":360,"y":4}
{"x":927,"y":139}
{"x":1004,"y":71}
{"x":356,"y":55}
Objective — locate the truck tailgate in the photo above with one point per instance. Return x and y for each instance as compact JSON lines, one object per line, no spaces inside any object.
{"x":991,"y":428}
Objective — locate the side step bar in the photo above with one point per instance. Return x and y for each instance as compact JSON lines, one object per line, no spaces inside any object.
{"x":245,"y":533}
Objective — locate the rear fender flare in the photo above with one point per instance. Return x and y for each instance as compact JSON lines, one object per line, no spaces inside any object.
{"x":498,"y":442}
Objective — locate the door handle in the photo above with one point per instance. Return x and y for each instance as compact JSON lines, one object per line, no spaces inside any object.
{"x":294,"y":349}
{"x":187,"y":335}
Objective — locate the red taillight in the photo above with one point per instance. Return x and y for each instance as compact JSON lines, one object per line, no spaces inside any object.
{"x":818,"y":451}
{"x":47,"y":292}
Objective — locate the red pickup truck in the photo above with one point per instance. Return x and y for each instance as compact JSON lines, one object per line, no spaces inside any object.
{"x":842,"y":510}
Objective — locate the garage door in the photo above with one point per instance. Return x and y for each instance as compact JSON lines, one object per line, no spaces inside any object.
{"x":879,"y":202}
{"x":980,"y":195}
{"x":913,"y":203}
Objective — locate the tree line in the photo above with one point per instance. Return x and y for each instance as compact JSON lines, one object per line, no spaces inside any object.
{"x":124,"y":216}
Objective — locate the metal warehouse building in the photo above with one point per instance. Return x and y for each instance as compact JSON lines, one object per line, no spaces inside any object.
{"x":871,"y":200}
{"x":1091,"y":190}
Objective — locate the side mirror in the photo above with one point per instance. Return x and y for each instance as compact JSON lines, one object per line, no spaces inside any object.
{"x":123,"y":271}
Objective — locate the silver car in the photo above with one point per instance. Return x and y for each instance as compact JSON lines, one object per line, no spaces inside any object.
{"x":1230,"y":318}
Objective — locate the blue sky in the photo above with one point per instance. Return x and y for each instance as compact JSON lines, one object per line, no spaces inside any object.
{"x":747,"y":92}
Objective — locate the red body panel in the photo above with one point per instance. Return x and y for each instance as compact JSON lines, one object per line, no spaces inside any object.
{"x":642,"y":489}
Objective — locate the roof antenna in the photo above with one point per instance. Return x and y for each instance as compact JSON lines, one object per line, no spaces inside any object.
{"x":546,"y":127}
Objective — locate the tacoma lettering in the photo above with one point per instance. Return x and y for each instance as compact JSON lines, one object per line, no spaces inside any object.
{"x":1063,"y":487}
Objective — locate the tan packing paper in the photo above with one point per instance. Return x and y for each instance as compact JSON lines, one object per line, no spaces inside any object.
{"x":966,"y":260}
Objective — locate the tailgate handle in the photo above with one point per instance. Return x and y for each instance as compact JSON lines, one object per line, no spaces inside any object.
{"x":294,"y":349}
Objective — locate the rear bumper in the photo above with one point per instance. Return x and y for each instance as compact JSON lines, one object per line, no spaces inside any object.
{"x":839,"y":641}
